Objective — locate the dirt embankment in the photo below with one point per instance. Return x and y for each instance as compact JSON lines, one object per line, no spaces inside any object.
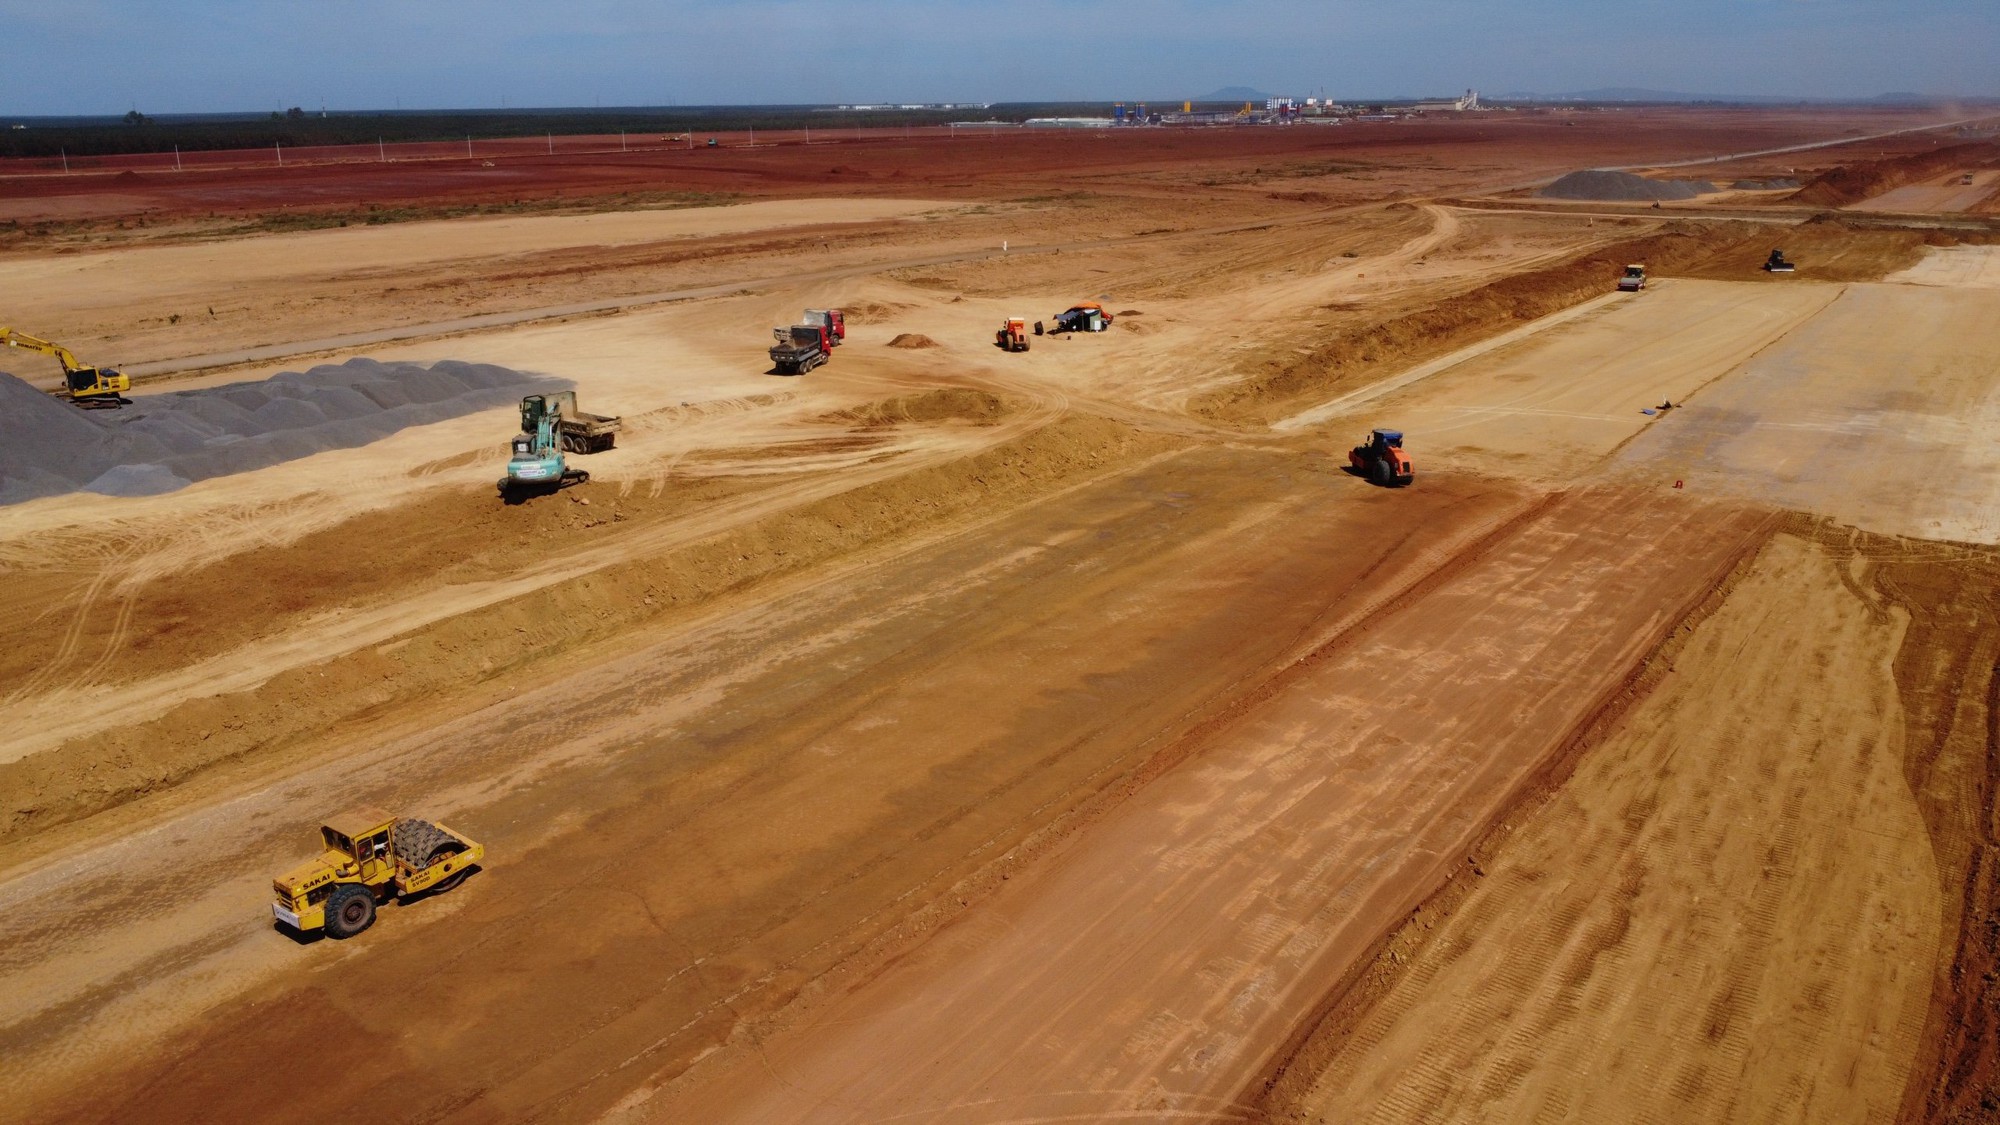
{"x":177,"y":619}
{"x":1852,"y":183}
{"x":1940,"y":601}
{"x":1355,"y":358}
{"x":1286,"y":1092}
{"x":1948,"y":680}
{"x":1346,"y":361}
{"x":940,"y":404}
{"x":290,"y":712}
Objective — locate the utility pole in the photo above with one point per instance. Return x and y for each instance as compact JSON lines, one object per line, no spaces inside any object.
{"x":552,"y":144}
{"x":621,"y":141}
{"x":65,"y":156}
{"x":468,"y":146}
{"x":177,"y":158}
{"x":381,"y":151}
{"x":279,"y":145}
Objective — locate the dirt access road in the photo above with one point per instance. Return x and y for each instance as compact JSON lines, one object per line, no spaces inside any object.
{"x":1149,"y":970}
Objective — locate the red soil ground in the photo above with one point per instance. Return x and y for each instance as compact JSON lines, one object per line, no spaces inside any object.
{"x":967,"y":163}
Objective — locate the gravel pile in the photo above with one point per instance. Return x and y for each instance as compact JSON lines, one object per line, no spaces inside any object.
{"x":163,"y":442}
{"x":1623,"y":187}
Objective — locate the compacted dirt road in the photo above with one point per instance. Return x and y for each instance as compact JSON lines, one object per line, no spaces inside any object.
{"x":1154,"y":972}
{"x":1752,"y":814}
{"x":694,"y":830}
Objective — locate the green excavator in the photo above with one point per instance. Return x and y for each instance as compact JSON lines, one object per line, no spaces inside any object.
{"x":551,"y":428}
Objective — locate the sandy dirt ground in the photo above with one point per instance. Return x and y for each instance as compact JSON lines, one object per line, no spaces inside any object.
{"x":1146,"y":975}
{"x":1954,"y":267}
{"x":1873,"y":412}
{"x":65,"y":285}
{"x":1554,"y":402}
{"x":921,"y":720}
{"x":1029,"y":716}
{"x":1727,"y":914}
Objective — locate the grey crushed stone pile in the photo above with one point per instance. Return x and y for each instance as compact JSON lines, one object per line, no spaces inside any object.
{"x":1623,"y":187}
{"x":163,"y":442}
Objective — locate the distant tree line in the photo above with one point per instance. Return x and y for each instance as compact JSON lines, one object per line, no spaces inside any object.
{"x":137,"y":132}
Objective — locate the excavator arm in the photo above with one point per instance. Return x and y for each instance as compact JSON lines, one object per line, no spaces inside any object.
{"x":14,"y":338}
{"x":85,"y":385}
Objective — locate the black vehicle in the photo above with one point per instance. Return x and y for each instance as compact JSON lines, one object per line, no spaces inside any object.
{"x":799,"y":348}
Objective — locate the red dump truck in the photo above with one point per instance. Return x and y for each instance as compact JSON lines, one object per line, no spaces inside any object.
{"x":833,"y":320}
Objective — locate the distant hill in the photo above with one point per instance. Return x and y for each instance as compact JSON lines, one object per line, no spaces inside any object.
{"x":1638,"y":94}
{"x":1235,"y":94}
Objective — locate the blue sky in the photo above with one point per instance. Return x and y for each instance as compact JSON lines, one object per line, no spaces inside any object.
{"x":163,"y":56}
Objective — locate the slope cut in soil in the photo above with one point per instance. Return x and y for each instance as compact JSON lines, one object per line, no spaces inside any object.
{"x":1852,"y":183}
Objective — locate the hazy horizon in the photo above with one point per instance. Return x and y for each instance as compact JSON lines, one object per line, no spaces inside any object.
{"x":97,"y":57}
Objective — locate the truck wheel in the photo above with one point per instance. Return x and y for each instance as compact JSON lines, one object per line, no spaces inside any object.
{"x":349,"y":910}
{"x":438,"y":855}
{"x":1383,"y":474}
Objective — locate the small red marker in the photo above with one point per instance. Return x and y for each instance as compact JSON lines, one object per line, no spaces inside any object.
{"x":1677,"y":484}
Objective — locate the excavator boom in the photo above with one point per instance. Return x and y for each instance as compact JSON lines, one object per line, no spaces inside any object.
{"x":15,"y":338}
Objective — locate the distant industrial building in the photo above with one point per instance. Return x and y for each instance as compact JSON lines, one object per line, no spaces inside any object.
{"x":1069,"y":122}
{"x":1465,"y":104}
{"x":886,"y":107}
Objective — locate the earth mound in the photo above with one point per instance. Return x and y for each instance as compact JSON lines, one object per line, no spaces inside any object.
{"x":160,"y":443}
{"x":913,"y":340}
{"x":948,"y":404}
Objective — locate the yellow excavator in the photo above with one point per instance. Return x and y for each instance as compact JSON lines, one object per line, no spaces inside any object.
{"x":90,"y":387}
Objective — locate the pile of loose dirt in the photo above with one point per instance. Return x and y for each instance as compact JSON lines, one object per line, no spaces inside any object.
{"x":939,"y":404}
{"x":1622,"y":187}
{"x":913,"y":340}
{"x":947,"y":404}
{"x":164,"y":442}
